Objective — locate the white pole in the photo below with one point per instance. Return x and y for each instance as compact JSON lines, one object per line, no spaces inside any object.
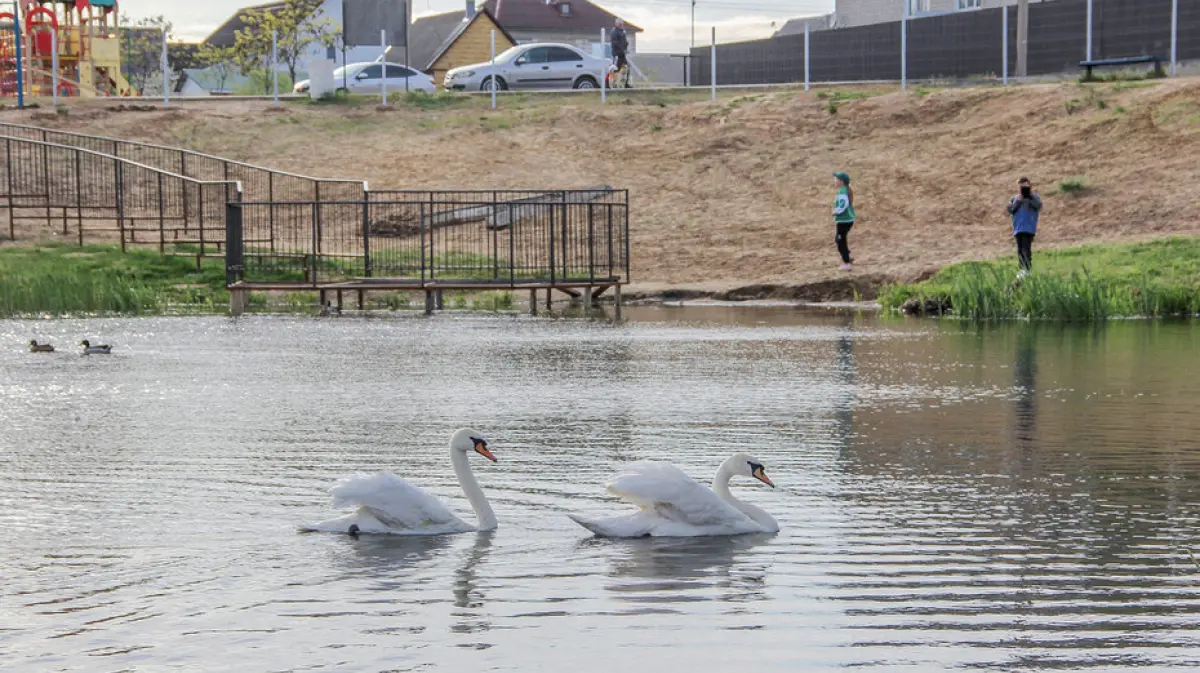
{"x":714,"y":63}
{"x":603,"y":75}
{"x":1004,"y":41}
{"x":904,"y":49}
{"x":1089,"y":30}
{"x":275,"y":64}
{"x":806,"y":56}
{"x":54,"y":65}
{"x":493,"y":82}
{"x":1174,"y":36}
{"x":383,"y":63}
{"x":166,"y":73}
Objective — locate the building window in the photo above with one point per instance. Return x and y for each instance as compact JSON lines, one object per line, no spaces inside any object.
{"x":565,"y":8}
{"x":917,"y":7}
{"x":970,"y":4}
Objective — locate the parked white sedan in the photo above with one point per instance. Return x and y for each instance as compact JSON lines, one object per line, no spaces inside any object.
{"x":532,"y":66}
{"x":367,"y":78}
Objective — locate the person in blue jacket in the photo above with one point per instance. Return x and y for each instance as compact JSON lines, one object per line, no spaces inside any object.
{"x":1025,"y":208}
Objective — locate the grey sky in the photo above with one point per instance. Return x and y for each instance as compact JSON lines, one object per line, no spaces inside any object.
{"x":667,"y":22}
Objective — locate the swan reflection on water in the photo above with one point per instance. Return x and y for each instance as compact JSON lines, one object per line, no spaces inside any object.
{"x":669,"y":570}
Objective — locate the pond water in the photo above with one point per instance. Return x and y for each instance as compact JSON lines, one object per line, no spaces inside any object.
{"x":1013,"y":497}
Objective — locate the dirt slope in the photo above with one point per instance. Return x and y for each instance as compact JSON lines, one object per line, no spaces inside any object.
{"x":738,"y":192}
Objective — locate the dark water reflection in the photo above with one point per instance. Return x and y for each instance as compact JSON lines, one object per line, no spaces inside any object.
{"x":1014,"y":497}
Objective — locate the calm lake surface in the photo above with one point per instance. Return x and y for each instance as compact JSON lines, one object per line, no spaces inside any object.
{"x":1005,"y":498}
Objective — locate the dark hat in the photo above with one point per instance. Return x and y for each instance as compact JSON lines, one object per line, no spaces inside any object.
{"x":844,"y":177}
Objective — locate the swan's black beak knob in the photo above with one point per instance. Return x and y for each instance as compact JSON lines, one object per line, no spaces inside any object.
{"x":482,"y":449}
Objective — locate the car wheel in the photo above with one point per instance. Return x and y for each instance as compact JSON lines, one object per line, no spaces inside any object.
{"x":586,"y":83}
{"x":487,"y":84}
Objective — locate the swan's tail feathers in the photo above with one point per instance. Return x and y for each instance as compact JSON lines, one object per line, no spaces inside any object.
{"x":629,"y":526}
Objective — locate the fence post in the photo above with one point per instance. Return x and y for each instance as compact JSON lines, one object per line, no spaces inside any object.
{"x":54,"y":64}
{"x":1174,"y":37}
{"x":493,"y":80}
{"x":275,"y":65}
{"x":234,"y":262}
{"x":1004,"y":42}
{"x":19,"y":61}
{"x":366,"y":233}
{"x":904,"y":49}
{"x":714,"y":63}
{"x":1022,"y":38}
{"x":120,"y":203}
{"x":604,"y":75}
{"x":162,"y":214}
{"x":383,"y":63}
{"x":1089,"y":30}
{"x":166,"y":73}
{"x":807,"y":54}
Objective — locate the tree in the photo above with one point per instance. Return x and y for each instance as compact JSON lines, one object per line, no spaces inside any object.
{"x":220,"y":62}
{"x":141,"y":50}
{"x":298,"y":26}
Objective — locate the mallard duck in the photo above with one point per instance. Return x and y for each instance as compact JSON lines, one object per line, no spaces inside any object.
{"x":100,"y":349}
{"x":35,"y":347}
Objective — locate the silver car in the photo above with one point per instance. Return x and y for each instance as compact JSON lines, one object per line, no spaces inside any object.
{"x":532,"y":66}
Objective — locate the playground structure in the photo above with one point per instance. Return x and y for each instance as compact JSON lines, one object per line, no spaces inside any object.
{"x":72,"y":44}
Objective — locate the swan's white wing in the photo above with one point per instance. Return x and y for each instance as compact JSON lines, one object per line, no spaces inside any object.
{"x":393,"y":502}
{"x":666,"y":491}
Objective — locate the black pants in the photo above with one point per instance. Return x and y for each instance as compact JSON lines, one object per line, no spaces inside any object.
{"x":843,"y":231}
{"x":1025,"y":251}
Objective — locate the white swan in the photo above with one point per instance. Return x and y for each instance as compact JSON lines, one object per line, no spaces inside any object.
{"x":385,"y":503}
{"x":675,"y":505}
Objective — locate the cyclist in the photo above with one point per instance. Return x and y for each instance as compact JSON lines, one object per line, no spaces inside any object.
{"x":620,"y":49}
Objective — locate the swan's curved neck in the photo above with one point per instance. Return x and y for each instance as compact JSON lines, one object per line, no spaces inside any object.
{"x":470,"y":487}
{"x":720,"y":486}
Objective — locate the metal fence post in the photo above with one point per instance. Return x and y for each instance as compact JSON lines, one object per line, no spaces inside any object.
{"x":1174,"y":37}
{"x":19,"y":61}
{"x":1089,"y":30}
{"x":162,"y":213}
{"x":118,"y":174}
{"x":383,"y":63}
{"x":493,"y":76}
{"x":904,"y":49}
{"x":166,"y":73}
{"x":1004,"y":42}
{"x":312,"y":264}
{"x":807,"y":54}
{"x":275,"y":66}
{"x":604,"y":75}
{"x":366,"y":233}
{"x":234,"y":250}
{"x":54,"y":64}
{"x":714,"y":63}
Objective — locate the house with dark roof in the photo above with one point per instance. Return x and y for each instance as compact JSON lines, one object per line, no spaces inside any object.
{"x":226,"y":34}
{"x":576,"y":22}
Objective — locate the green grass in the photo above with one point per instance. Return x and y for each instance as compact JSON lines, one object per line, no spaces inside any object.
{"x":1072,"y":185}
{"x":1090,"y":283}
{"x":59,"y":280}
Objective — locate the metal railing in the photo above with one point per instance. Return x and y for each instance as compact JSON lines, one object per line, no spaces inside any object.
{"x":258,"y":183}
{"x":480,"y":237}
{"x":98,"y":196}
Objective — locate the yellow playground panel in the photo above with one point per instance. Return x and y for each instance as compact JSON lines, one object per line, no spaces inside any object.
{"x":87,"y":40}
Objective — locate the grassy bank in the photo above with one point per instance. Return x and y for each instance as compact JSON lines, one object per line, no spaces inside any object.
{"x":1095,"y":282}
{"x":58,"y":279}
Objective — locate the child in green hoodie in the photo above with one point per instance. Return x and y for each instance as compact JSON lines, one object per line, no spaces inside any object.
{"x":843,"y":217}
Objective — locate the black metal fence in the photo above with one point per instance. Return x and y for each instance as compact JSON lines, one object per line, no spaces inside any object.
{"x":97,"y":196}
{"x":481,"y":237}
{"x":959,"y":45}
{"x":258,"y":183}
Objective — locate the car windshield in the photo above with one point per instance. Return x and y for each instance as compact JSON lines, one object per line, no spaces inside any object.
{"x":509,"y":54}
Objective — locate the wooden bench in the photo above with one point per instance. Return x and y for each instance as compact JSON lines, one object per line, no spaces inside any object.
{"x":1117,"y":62}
